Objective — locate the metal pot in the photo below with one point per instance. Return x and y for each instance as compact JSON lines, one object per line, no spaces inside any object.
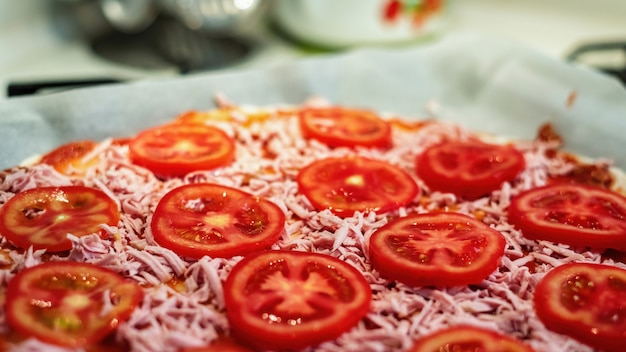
{"x":215,"y":17}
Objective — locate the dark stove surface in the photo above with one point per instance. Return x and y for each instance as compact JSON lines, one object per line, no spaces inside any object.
{"x":167,"y":43}
{"x":606,"y":56}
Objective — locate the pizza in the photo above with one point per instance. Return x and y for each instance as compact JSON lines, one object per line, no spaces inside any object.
{"x":315,"y":227}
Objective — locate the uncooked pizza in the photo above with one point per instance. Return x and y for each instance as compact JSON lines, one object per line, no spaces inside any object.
{"x":312,"y":228}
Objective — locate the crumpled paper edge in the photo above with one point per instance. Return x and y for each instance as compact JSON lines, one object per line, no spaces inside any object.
{"x":487,"y":84}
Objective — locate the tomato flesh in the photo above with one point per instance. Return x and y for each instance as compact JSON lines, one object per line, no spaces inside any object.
{"x":42,"y":217}
{"x":204,"y":117}
{"x":62,"y":303}
{"x":468,"y":338}
{"x":468,"y":169}
{"x":286,"y":300}
{"x":349,"y":184}
{"x":589,"y":174}
{"x":230,"y":114}
{"x":586,"y":302}
{"x":573,"y":214}
{"x":209,"y":219}
{"x":178,"y":149}
{"x":343,"y":127}
{"x":71,"y":158}
{"x":223,"y":345}
{"x":436,"y":249}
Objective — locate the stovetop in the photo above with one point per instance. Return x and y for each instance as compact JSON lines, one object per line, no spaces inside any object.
{"x":37,"y":51}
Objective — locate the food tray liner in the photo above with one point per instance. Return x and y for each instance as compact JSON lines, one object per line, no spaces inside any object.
{"x":487,"y":84}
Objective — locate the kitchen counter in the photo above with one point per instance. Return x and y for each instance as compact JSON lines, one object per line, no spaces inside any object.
{"x":33,"y":48}
{"x":553,"y":27}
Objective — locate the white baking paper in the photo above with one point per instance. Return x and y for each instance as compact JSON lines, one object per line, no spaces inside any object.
{"x":484,"y":83}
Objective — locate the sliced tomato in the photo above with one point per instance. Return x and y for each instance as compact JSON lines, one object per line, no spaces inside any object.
{"x":72,"y":158}
{"x":468,"y":338}
{"x":222,"y":345}
{"x":469,"y":169}
{"x":349,"y":184}
{"x":178,"y":149}
{"x":588,"y":174}
{"x":287,"y":300}
{"x":203,"y":117}
{"x":209,"y":219}
{"x":436,"y":249}
{"x":586,"y":302}
{"x":344,"y":127}
{"x":121,"y":141}
{"x":69,"y":304}
{"x":42,"y":217}
{"x":574,"y":214}
{"x":231,"y":114}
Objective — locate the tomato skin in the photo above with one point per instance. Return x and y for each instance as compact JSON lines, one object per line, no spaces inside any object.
{"x":588,"y":174}
{"x":586,"y":302}
{"x":204,"y":117}
{"x":345,"y":127}
{"x":468,"y":338}
{"x":349,"y":184}
{"x":288,"y":300}
{"x":574,"y":214}
{"x":42,"y":217}
{"x":177,"y":149}
{"x":210,"y":219}
{"x":69,"y":158}
{"x":218,"y":346}
{"x":469,"y":169}
{"x":62,"y":302}
{"x":436,"y":249}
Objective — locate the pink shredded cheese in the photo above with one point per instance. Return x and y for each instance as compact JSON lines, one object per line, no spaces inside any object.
{"x":169,"y":318}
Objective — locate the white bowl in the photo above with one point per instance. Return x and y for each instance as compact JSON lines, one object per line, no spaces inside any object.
{"x":344,"y":23}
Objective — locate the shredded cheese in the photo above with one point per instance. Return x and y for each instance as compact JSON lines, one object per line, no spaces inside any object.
{"x":269,"y":154}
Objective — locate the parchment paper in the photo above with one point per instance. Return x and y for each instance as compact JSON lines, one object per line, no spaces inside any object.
{"x":486,"y":84}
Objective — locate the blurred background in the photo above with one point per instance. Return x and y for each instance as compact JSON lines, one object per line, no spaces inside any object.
{"x":54,"y":44}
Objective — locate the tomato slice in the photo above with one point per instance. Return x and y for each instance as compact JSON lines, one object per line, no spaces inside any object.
{"x":209,"y":219}
{"x":468,"y":338}
{"x":436,"y":249}
{"x":202,"y":117}
{"x":468,"y":169}
{"x":69,"y":304}
{"x":231,"y":114}
{"x":287,"y":300}
{"x":71,"y":158}
{"x":222,"y":345}
{"x":178,"y":149}
{"x":588,"y":174}
{"x":344,"y":127}
{"x":586,"y":302}
{"x":574,"y":214}
{"x":349,"y":184}
{"x":42,"y":217}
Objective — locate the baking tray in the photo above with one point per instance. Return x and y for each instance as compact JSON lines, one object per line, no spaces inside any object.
{"x":487,"y":84}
